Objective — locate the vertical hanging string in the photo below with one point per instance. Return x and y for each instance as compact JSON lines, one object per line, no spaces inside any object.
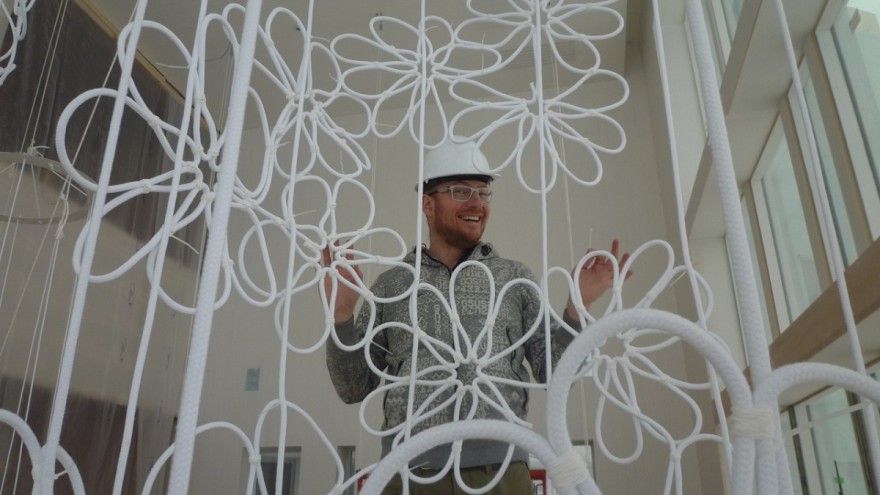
{"x":43,"y":81}
{"x":373,"y":165}
{"x":16,"y":25}
{"x":582,"y":386}
{"x":538,"y":89}
{"x":871,"y":432}
{"x":422,"y":51}
{"x":158,"y":269}
{"x":39,"y":331}
{"x":201,"y":333}
{"x":45,"y":479}
{"x":34,"y":350}
{"x":682,"y":225}
{"x":42,"y":86}
{"x":305,"y":88}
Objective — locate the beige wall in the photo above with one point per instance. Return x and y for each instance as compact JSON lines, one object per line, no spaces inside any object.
{"x":632,"y":203}
{"x":628,"y":204}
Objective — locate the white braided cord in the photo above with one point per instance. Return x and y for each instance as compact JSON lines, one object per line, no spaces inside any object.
{"x":418,"y":74}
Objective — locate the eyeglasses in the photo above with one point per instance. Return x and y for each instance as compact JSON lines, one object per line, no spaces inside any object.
{"x":464,"y":193}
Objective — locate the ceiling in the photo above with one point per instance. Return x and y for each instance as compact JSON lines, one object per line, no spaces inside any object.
{"x":332,"y":18}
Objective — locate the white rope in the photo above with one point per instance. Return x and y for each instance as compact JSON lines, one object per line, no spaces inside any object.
{"x":745,"y":286}
{"x":568,"y":470}
{"x":758,"y":424}
{"x":702,"y":47}
{"x":415,"y":73}
{"x":43,"y":80}
{"x":21,"y":8}
{"x":192,"y":386}
{"x":72,"y":336}
{"x":16,"y":22}
{"x":872,"y":433}
{"x":714,"y":352}
{"x":167,"y":233}
{"x":43,"y":305}
{"x":414,"y":300}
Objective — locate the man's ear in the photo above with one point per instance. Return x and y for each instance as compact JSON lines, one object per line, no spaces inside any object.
{"x":427,"y":205}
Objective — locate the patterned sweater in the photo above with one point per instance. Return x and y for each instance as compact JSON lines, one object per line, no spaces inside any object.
{"x":450,"y":377}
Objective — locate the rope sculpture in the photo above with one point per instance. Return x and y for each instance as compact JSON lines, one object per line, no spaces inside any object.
{"x":417,"y":73}
{"x":17,"y":22}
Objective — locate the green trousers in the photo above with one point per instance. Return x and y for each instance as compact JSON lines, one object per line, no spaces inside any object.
{"x":516,"y":481}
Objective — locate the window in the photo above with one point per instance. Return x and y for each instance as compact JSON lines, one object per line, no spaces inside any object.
{"x":784,"y":230}
{"x":758,"y":262}
{"x":719,"y":35}
{"x":842,"y":197}
{"x":346,"y":455}
{"x":732,"y":11}
{"x":793,"y":452}
{"x":851,"y":50}
{"x":828,"y":457}
{"x":289,"y":466}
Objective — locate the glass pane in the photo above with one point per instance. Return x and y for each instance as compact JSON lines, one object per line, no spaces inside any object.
{"x":269,"y":465}
{"x":732,"y":10}
{"x":863,"y":18}
{"x":719,"y":33}
{"x":762,"y":294}
{"x":839,"y":461}
{"x":346,"y":455}
{"x":791,"y":238}
{"x":719,"y":46}
{"x":857,"y":36}
{"x":791,"y":452}
{"x":845,"y":237}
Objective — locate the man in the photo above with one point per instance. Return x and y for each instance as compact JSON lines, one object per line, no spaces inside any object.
{"x":456,"y":205}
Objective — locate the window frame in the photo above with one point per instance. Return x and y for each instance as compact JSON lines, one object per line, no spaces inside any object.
{"x":292,"y":455}
{"x":800,"y":434}
{"x":764,"y":279}
{"x":832,"y":51}
{"x":833,"y":124}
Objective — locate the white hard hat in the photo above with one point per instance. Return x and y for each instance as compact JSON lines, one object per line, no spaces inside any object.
{"x":452,"y":160}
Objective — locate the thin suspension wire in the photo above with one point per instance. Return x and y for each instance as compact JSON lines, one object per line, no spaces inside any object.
{"x":305,"y":91}
{"x":46,"y":478}
{"x":701,"y":42}
{"x":413,"y":307}
{"x":616,"y":385}
{"x":42,"y":82}
{"x":153,"y":298}
{"x":582,"y":384}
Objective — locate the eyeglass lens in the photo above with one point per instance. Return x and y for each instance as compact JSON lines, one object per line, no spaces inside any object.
{"x":464,"y":193}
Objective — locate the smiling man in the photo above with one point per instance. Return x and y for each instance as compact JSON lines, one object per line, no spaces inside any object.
{"x":458,"y":379}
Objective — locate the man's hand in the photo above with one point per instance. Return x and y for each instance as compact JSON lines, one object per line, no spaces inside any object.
{"x":346,"y":297}
{"x":596,"y":277}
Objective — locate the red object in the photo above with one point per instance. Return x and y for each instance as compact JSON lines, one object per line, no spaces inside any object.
{"x":539,"y":475}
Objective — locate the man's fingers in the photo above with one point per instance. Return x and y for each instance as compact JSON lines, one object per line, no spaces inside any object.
{"x":325,"y":255}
